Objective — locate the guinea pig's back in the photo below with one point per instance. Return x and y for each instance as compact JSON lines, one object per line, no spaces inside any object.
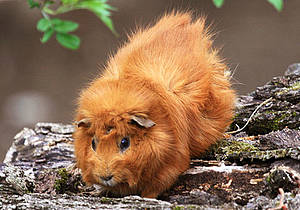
{"x":174,"y":53}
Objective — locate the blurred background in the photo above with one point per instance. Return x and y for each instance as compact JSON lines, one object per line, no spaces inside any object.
{"x":40,"y":82}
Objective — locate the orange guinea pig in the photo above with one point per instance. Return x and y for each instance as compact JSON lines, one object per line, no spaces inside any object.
{"x":163,"y":98}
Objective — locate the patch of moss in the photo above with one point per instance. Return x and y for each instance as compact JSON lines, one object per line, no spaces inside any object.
{"x":105,"y":200}
{"x":267,"y":155}
{"x":296,"y":86}
{"x":178,"y":208}
{"x":224,"y":149}
{"x":241,"y":150}
{"x":294,"y":114}
{"x":293,"y":87}
{"x":269,"y":121}
{"x":272,"y":121}
{"x":61,"y":182}
{"x":266,"y":121}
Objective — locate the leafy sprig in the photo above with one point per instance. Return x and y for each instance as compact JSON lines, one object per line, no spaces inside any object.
{"x":62,"y":28}
{"x":278,"y":4}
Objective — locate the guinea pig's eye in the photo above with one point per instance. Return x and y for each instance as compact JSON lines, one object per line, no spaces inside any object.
{"x":94,"y":143}
{"x":124,"y":144}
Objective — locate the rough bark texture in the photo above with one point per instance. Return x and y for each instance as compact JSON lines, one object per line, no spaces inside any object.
{"x":243,"y":171}
{"x":282,"y":111}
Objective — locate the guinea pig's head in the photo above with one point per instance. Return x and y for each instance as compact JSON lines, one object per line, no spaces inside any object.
{"x":113,"y":150}
{"x":125,"y":140}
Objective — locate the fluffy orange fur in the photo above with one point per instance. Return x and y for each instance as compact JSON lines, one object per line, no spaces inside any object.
{"x":170,"y":77}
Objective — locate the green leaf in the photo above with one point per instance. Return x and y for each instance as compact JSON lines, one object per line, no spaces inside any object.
{"x":33,"y":4}
{"x":43,"y":24}
{"x":108,"y":22}
{"x":56,"y":21}
{"x":107,"y":6}
{"x":65,"y":26}
{"x":47,"y":35}
{"x":69,"y":41}
{"x":278,"y":4}
{"x":69,"y":1}
{"x":91,"y":5}
{"x":218,"y":3}
{"x":101,"y":9}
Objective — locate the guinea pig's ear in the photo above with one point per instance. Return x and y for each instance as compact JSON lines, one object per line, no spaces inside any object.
{"x":85,"y":123}
{"x":142,"y":121}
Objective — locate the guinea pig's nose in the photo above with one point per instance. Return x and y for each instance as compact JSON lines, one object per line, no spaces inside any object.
{"x":106,"y":178}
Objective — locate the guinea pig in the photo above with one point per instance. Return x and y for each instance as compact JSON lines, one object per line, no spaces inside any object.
{"x":164,"y":98}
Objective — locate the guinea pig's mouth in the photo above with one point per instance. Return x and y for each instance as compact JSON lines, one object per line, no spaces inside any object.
{"x":108,"y":183}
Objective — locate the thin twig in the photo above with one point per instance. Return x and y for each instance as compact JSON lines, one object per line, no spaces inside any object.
{"x":233,"y":72}
{"x":250,"y":118}
{"x":45,"y":15}
{"x":281,"y":204}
